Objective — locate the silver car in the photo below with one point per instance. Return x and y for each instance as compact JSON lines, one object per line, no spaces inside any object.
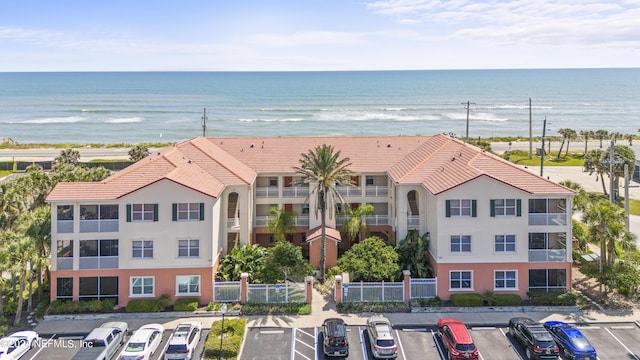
{"x":380,"y":332}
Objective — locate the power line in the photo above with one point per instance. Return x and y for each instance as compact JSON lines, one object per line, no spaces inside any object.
{"x":467,"y":105}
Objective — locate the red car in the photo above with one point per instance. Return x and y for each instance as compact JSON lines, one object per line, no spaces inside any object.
{"x":458,"y":344}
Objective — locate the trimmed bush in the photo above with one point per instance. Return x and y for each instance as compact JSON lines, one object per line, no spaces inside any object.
{"x":186,"y":305}
{"x":507,"y":300}
{"x":305,"y":309}
{"x":552,"y":298}
{"x":432,"y":302}
{"x":466,"y":300}
{"x":214,"y":306}
{"x":83,"y":306}
{"x":375,"y":307}
{"x":272,"y":309}
{"x":144,"y":306}
{"x":231,"y":341}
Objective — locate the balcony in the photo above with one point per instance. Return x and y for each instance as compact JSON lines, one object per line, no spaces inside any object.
{"x":98,"y":262}
{"x":302,"y":220}
{"x":233,"y":223}
{"x":65,"y":226}
{"x":349,"y":190}
{"x":377,"y":219}
{"x":548,"y":255}
{"x":413,"y":222}
{"x":295,"y":192}
{"x":65,"y":263}
{"x":105,"y":225}
{"x":267,"y":192}
{"x":377,"y":191}
{"x":548,"y":219}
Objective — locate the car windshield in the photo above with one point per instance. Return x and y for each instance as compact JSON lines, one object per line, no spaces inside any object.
{"x":580,"y":343}
{"x":385,"y":343}
{"x":546,"y":344}
{"x":465,"y":347}
{"x":134,"y":347}
{"x":177,"y":349}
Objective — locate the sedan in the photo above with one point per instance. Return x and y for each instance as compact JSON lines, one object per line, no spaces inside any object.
{"x":571,"y":341}
{"x":143,"y":343}
{"x":14,"y":346}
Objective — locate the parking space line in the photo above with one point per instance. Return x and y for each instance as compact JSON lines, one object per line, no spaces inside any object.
{"x":42,"y":348}
{"x":435,"y":340}
{"x":293,"y":343}
{"x":400,"y":345}
{"x":513,"y":346}
{"x":623,"y":345}
{"x":362,"y":345}
{"x":304,"y":332}
{"x":315,"y":343}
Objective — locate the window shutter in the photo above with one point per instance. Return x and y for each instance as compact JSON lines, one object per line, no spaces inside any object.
{"x":448,"y":208}
{"x":493,"y":208}
{"x":155,"y":212}
{"x":519,"y":207}
{"x":174,"y":212}
{"x":201,"y":211}
{"x":128,"y":212}
{"x":474,"y":208}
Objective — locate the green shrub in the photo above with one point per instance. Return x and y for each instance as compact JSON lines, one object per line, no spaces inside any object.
{"x":553,"y":298}
{"x":10,"y":308}
{"x":305,"y":309}
{"x":272,"y":309}
{"x":508,"y":300}
{"x":83,"y":306}
{"x":375,"y":307}
{"x":41,"y":308}
{"x":231,"y":341}
{"x":431,"y":302}
{"x":164,"y":300}
{"x":466,"y":300}
{"x":4,"y":327}
{"x":214,"y":306}
{"x":144,"y":306}
{"x":186,"y":305}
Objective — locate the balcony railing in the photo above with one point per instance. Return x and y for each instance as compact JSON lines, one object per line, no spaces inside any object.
{"x":302,"y":220}
{"x":295,"y":192}
{"x":377,"y":191}
{"x":349,"y":190}
{"x":267,"y":192}
{"x":65,"y":226}
{"x":377,"y":219}
{"x":342,"y":219}
{"x":413,"y":222}
{"x":548,"y":219}
{"x":98,"y":262}
{"x":549,"y":255}
{"x":233,"y":223}
{"x":263,"y":220}
{"x":105,"y":225}
{"x":65,"y":263}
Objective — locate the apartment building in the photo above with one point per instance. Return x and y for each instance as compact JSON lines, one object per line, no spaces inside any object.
{"x":161,"y":225}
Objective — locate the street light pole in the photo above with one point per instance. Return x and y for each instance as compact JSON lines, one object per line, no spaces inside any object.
{"x":223,"y":310}
{"x":544,"y":130}
{"x":467,"y":105}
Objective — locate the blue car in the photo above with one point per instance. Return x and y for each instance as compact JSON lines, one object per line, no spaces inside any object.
{"x":570,"y":341}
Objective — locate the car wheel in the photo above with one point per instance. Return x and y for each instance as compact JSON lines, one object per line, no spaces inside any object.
{"x":529,"y":354}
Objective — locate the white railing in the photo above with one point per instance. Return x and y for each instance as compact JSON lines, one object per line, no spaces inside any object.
{"x":267,"y":192}
{"x":413,"y":222}
{"x":263,"y":220}
{"x":342,"y":219}
{"x":373,"y":292}
{"x":233,"y":222}
{"x":550,"y":255}
{"x":548,"y":219}
{"x":377,"y":191}
{"x":276,"y":293}
{"x":105,"y":225}
{"x":377,"y":219}
{"x":226,"y":291}
{"x":295,"y":192}
{"x":349,"y":190}
{"x":302,"y":220}
{"x":423,"y":288}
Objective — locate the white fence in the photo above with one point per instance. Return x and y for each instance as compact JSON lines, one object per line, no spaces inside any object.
{"x":373,"y":292}
{"x":226,"y":291}
{"x":276,"y":293}
{"x":423,"y":288}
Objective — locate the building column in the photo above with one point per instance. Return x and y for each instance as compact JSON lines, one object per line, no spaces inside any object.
{"x":338,"y":289}
{"x":309,"y":289}
{"x":244,"y":279}
{"x":406,"y":281}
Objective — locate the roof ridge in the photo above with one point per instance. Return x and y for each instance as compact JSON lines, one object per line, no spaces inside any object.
{"x":429,"y":156}
{"x":161,"y":154}
{"x":201,"y":142}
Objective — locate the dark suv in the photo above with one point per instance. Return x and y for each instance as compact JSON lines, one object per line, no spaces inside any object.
{"x":334,"y":332}
{"x":537,"y":342}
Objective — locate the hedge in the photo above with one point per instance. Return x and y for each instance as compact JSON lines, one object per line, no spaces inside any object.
{"x":374,"y":307}
{"x":83,"y":306}
{"x":552,"y":298}
{"x":466,"y":300}
{"x":231,"y":342}
{"x":186,"y":305}
{"x":148,"y":305}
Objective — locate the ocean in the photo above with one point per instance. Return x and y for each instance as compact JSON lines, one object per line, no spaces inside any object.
{"x":150,"y":107}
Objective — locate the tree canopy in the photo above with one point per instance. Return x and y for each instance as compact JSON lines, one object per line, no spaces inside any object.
{"x":371,"y":260}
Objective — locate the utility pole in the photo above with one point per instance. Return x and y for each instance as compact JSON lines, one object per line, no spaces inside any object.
{"x":204,"y":122}
{"x":612,"y":194}
{"x":626,"y":195}
{"x":530,"y":133}
{"x":544,"y":131}
{"x":467,"y":105}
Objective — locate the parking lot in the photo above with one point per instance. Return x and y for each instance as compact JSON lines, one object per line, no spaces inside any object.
{"x":612,"y":342}
{"x":61,"y":348}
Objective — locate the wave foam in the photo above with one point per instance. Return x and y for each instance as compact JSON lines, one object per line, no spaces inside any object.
{"x":56,"y":120}
{"x":272,"y":120}
{"x":124,"y":120}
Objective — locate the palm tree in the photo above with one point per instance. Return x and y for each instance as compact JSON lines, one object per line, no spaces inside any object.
{"x":357,"y":224}
{"x":323,"y":170}
{"x":37,"y":226}
{"x":249,"y":259}
{"x":282,"y":222}
{"x":138,"y":152}
{"x":567,"y":135}
{"x":581,"y":200}
{"x":606,"y":223}
{"x":20,"y":252}
{"x":601,"y":135}
{"x":593,"y":163}
{"x":414,"y":254}
{"x":68,"y":156}
{"x":586,"y":134}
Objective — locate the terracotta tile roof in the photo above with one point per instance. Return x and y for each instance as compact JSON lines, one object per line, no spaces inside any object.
{"x":316,"y":233}
{"x":207,"y":165}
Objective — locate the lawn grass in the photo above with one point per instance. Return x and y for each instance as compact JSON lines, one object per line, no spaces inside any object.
{"x":234,"y":329}
{"x":4,"y":173}
{"x":550,"y":160}
{"x":634,"y":207}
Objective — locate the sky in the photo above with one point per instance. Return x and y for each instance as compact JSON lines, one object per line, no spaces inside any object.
{"x":314,"y":35}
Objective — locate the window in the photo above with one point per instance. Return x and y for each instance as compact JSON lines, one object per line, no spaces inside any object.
{"x":273,"y":181}
{"x":506,"y":207}
{"x":369,"y":180}
{"x":189,"y":248}
{"x":505,"y":243}
{"x":505,"y":280}
{"x":460,"y":280}
{"x":188,"y":285}
{"x":272,"y":239}
{"x":547,"y":206}
{"x":188,"y":211}
{"x":98,"y":248}
{"x":547,"y":279}
{"x":546,"y":241}
{"x":98,"y":288}
{"x":65,"y":248}
{"x":142,"y":212}
{"x":65,"y":212}
{"x":88,"y":212}
{"x":464,"y":207}
{"x":460,"y":243}
{"x":141,"y":286}
{"x":142,"y":249}
{"x":64,"y":288}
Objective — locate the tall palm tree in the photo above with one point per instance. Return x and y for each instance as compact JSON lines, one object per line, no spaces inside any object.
{"x":567,"y":136}
{"x":37,"y":226}
{"x":283,"y":222}
{"x":20,"y":252}
{"x":586,"y":134}
{"x":606,"y":223}
{"x":593,"y":163}
{"x":581,"y":200}
{"x":324,"y":170}
{"x":357,"y":224}
{"x":601,"y":135}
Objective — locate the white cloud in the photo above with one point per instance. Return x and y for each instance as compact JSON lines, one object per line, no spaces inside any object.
{"x":305,"y":38}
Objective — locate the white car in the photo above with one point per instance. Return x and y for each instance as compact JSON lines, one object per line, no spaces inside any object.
{"x":143,"y":343}
{"x":183,"y":341}
{"x":17,"y":344}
